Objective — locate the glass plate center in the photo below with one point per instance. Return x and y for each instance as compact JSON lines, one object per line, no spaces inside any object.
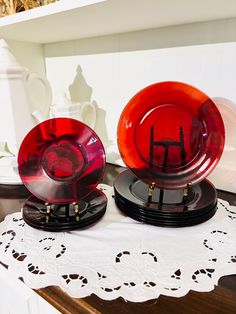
{"x":169,"y":137}
{"x":63,"y":160}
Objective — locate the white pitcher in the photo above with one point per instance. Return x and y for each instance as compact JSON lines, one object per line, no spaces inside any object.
{"x":85,"y":112}
{"x":15,"y":108}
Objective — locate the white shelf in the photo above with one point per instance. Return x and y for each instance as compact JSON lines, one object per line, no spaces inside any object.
{"x":73,"y":19}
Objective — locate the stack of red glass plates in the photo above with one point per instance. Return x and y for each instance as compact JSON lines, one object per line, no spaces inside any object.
{"x":61,"y":161}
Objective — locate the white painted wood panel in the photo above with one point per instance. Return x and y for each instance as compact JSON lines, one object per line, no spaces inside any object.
{"x":73,"y":19}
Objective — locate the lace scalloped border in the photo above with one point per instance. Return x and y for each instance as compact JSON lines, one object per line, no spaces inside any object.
{"x":136,"y":274}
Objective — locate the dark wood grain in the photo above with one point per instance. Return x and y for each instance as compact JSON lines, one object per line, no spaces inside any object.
{"x":222,"y":300}
{"x":11,"y":199}
{"x":64,"y":303}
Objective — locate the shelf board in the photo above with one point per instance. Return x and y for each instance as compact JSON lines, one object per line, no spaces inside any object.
{"x":74,"y":19}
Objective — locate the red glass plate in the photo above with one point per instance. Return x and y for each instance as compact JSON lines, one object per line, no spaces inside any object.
{"x":171,"y":134}
{"x":61,"y":160}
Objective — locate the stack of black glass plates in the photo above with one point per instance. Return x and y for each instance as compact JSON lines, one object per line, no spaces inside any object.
{"x":175,"y":210}
{"x":63,"y":216}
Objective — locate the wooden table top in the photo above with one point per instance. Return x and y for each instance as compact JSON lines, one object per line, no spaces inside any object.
{"x":222,"y":300}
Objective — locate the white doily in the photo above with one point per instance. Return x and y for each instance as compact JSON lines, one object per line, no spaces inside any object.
{"x":121,"y":257}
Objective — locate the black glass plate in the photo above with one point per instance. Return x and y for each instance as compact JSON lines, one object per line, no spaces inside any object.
{"x":63,"y":217}
{"x":164,"y":222}
{"x":131,"y":196}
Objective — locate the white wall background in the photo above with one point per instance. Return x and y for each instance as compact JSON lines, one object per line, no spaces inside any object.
{"x":111,"y":79}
